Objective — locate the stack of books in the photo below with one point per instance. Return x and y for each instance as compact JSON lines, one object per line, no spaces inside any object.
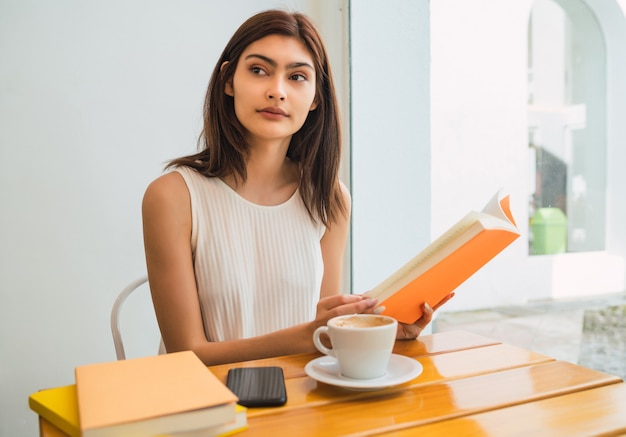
{"x":165,"y":395}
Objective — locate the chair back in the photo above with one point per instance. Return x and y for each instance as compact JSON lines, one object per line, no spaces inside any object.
{"x":143,"y":321}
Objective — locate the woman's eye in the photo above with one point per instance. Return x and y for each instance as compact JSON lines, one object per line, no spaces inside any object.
{"x":298,"y":77}
{"x":258,"y":71}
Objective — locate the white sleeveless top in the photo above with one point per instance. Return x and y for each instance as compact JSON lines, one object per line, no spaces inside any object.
{"x":258,"y":268}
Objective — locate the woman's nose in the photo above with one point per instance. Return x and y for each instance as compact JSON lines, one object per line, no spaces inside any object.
{"x":276,"y":91}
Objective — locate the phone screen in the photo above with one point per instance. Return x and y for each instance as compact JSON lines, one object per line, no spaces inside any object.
{"x":258,"y":386}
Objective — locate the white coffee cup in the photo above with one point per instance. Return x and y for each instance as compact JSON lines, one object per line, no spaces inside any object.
{"x":361,"y":343}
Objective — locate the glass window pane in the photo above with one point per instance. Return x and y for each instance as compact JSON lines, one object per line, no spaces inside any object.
{"x":567,"y":128}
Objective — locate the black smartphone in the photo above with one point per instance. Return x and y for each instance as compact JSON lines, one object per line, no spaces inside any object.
{"x":258,"y":386}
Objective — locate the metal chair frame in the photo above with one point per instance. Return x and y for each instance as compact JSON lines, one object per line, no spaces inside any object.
{"x":115,"y":315}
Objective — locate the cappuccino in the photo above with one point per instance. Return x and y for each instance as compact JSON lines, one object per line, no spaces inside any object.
{"x":363,"y":321}
{"x":361,"y":343}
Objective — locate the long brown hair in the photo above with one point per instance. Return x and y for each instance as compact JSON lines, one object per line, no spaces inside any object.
{"x":316,"y":147}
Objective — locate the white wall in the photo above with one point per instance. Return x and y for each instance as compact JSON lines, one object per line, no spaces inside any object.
{"x":390,"y":123}
{"x":615,"y":34}
{"x":479,"y":132}
{"x":94,"y":98}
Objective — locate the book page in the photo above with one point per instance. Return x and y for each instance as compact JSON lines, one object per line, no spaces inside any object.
{"x":499,"y":206}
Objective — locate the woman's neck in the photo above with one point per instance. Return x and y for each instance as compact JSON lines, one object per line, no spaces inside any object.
{"x":272,"y":178}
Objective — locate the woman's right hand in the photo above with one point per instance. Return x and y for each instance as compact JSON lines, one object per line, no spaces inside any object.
{"x":342,"y":304}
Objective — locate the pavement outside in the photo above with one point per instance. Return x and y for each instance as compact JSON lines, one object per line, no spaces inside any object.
{"x":590,"y":332}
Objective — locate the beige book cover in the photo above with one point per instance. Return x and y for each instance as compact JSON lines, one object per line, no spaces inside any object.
{"x":151,"y":395}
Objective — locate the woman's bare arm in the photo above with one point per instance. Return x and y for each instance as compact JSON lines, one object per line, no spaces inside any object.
{"x":333,"y":249}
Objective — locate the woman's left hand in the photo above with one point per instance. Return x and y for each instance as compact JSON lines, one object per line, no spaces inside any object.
{"x":412,"y":331}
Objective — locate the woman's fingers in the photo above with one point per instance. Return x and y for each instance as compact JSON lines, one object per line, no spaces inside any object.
{"x":414,"y":330}
{"x":348,"y":303}
{"x":342,"y":304}
{"x":339,"y":305}
{"x":446,"y":299}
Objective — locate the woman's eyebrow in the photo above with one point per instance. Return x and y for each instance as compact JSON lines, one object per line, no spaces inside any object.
{"x":273,"y":63}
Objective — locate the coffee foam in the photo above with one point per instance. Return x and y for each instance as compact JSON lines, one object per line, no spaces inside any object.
{"x":362,"y":322}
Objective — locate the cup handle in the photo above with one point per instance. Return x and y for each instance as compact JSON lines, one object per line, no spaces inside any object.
{"x":318,"y":343}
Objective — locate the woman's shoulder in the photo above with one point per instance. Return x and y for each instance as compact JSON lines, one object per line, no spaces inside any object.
{"x":345,"y":193}
{"x":168,"y":189}
{"x":170,"y":181}
{"x":344,"y":190}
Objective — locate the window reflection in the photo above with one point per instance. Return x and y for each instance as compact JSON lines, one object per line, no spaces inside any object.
{"x":567,"y":128}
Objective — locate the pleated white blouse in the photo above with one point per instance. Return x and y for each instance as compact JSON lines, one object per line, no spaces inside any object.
{"x":258,"y":268}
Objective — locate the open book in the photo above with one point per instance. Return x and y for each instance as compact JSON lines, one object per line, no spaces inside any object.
{"x":448,"y":261}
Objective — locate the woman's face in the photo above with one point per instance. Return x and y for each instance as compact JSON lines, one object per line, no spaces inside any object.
{"x":273,"y":88}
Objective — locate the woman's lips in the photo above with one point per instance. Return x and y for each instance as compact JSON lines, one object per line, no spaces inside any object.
{"x":273,"y":112}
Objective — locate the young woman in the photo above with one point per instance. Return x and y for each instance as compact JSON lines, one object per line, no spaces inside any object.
{"x":244,"y":240}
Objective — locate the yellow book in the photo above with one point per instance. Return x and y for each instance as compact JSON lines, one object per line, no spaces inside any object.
{"x":448,"y":261}
{"x":58,"y":406}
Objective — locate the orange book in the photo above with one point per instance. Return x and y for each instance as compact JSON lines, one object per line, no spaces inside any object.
{"x":448,"y":261}
{"x":149,"y":396}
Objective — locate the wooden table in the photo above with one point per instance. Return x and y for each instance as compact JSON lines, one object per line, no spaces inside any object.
{"x":470,"y":385}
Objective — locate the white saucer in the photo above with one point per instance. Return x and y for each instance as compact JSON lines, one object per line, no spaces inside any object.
{"x":400,"y":370}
